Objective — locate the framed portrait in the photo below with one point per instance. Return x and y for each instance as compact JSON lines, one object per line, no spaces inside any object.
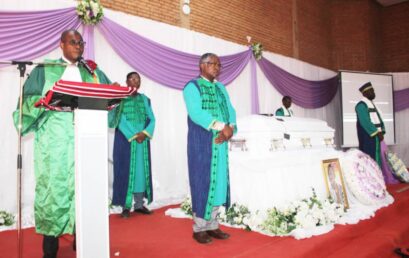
{"x":334,"y":182}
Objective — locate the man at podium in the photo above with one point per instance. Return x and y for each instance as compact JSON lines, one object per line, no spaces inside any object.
{"x":54,"y":207}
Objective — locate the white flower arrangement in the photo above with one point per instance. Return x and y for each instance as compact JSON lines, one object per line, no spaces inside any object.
{"x":304,"y":214}
{"x":236,"y":214}
{"x":307,"y":213}
{"x":257,"y":49}
{"x":6,"y":219}
{"x":186,"y":206}
{"x":279,"y":222}
{"x":90,"y":11}
{"x":398,"y":167}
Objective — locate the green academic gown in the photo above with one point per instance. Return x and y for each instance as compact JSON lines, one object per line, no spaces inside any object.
{"x":54,"y":207}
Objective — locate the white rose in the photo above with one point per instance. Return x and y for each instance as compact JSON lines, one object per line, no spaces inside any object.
{"x":95,"y":8}
{"x":246,"y":220}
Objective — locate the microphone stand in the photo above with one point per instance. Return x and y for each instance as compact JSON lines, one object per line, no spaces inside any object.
{"x":21,"y":66}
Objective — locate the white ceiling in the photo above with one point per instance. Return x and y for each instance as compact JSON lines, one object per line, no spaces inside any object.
{"x":390,"y":2}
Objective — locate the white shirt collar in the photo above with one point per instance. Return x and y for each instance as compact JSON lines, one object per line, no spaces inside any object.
{"x":68,"y":61}
{"x":214,"y":81}
{"x":287,"y":111}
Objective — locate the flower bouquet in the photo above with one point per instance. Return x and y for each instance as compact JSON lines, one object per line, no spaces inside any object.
{"x":306,"y":214}
{"x":186,"y":206}
{"x":90,"y":11}
{"x":236,"y":214}
{"x":257,"y":50}
{"x":6,"y":219}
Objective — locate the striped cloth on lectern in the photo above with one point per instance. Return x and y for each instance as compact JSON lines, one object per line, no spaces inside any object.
{"x":93,"y":90}
{"x":84,"y":89}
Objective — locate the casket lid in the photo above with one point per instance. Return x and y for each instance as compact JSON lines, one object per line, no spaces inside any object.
{"x":259,"y":123}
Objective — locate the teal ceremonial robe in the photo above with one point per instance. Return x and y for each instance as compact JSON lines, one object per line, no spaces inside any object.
{"x":206,"y":103}
{"x":367,"y":131}
{"x":280,"y":112}
{"x":54,"y":207}
{"x":132,"y":163}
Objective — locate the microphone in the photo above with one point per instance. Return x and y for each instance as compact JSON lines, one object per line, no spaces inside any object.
{"x":81,"y":61}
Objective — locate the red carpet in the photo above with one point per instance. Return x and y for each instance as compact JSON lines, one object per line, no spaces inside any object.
{"x":161,"y":236}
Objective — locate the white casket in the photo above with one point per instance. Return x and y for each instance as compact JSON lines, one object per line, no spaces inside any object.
{"x":270,"y":173}
{"x":308,"y":132}
{"x":257,"y":133}
{"x":265,"y":133}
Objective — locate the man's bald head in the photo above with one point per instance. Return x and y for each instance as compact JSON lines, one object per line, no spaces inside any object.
{"x":65,"y":34}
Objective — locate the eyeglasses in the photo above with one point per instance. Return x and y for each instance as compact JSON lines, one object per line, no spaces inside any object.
{"x":74,"y":42}
{"x":219,"y":65}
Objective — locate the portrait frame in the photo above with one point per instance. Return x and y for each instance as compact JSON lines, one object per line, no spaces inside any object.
{"x":334,"y":181}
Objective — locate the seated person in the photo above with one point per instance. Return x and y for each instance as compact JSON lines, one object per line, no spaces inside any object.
{"x":285,"y":109}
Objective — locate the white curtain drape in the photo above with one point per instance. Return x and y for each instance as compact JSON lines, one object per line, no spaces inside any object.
{"x":169,"y":161}
{"x":400,"y":82}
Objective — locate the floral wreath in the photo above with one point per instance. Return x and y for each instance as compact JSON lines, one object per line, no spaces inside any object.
{"x":257,"y":49}
{"x":364,"y":178}
{"x":398,"y":167}
{"x":90,"y":11}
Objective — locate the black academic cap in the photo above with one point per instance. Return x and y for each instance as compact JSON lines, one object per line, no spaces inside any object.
{"x":365,"y":87}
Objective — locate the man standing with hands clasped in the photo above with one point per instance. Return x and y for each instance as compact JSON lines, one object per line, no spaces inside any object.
{"x":135,"y":123}
{"x":211,"y":123}
{"x":369,"y":124}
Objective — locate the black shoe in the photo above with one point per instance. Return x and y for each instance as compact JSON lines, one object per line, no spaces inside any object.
{"x":50,"y":247}
{"x":218,"y":234}
{"x":202,"y":237}
{"x":125,"y":213}
{"x":403,"y":252}
{"x":143,"y":210}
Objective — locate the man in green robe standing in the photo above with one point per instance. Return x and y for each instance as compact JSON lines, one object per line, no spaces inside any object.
{"x":369,"y":124}
{"x":285,"y":110}
{"x":54,"y":207}
{"x":211,"y":123}
{"x":134,"y":122}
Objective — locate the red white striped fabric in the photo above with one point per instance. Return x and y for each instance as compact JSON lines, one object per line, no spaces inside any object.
{"x":84,"y":89}
{"x":92,"y":90}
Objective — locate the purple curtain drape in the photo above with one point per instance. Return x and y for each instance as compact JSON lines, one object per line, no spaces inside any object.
{"x":255,"y":106}
{"x":28,"y":35}
{"x":401,"y":99}
{"x":162,"y":64}
{"x":304,"y":93}
{"x":88,"y":37}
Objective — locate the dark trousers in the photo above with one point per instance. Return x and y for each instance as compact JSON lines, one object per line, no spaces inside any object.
{"x":50,"y":246}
